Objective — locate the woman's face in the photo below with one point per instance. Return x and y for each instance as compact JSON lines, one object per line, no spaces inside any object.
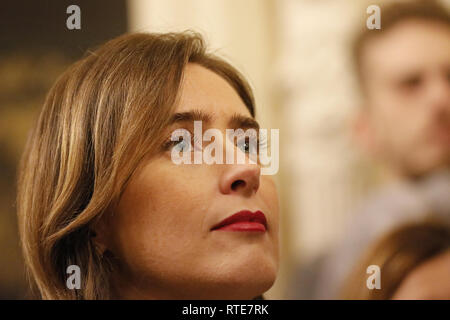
{"x":161,"y":232}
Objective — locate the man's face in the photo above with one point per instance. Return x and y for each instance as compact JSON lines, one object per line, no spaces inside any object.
{"x":407,"y":86}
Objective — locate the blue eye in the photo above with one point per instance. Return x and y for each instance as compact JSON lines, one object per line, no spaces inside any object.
{"x":182,"y":146}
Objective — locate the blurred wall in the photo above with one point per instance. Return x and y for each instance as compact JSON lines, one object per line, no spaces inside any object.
{"x":326,"y":177}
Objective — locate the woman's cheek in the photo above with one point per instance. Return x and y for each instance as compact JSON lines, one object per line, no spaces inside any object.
{"x":269,"y":193}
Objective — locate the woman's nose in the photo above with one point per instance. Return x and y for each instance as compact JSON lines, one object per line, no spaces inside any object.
{"x":240,"y":179}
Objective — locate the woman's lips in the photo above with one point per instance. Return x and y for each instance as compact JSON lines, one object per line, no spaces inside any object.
{"x":244,"y":220}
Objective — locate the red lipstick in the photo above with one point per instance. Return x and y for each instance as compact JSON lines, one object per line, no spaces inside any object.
{"x":244,"y":220}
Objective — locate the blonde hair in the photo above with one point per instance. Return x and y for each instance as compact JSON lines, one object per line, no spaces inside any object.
{"x":101,"y":118}
{"x":397,"y":254}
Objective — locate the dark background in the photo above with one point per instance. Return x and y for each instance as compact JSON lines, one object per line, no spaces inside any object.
{"x":35,"y":48}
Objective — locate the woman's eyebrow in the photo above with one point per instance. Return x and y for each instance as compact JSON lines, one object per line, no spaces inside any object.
{"x":190,"y":116}
{"x":243,"y":122}
{"x":236,"y":120}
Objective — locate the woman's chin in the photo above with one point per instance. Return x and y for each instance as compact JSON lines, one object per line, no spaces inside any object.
{"x":246,"y":280}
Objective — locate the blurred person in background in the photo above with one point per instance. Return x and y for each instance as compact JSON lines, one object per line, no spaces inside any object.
{"x":404,"y":125}
{"x":414,"y":262}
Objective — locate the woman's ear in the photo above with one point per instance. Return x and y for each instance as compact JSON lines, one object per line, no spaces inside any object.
{"x":99,"y":235}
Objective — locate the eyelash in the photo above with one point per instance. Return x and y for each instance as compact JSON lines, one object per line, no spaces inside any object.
{"x":169,"y":144}
{"x":261,"y":142}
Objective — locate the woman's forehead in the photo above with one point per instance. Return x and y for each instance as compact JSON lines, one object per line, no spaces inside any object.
{"x":204,"y":90}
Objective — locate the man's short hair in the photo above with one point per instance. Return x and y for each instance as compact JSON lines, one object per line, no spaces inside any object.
{"x":392,"y":14}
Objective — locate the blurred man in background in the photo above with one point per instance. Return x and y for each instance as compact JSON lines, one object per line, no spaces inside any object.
{"x":404,"y":124}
